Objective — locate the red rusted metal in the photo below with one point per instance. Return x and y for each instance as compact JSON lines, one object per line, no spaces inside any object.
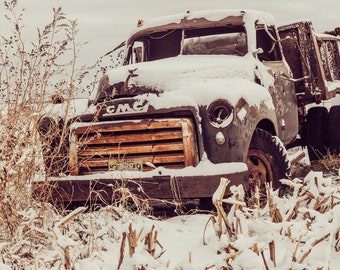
{"x":109,"y":190}
{"x":169,"y":143}
{"x":313,"y":59}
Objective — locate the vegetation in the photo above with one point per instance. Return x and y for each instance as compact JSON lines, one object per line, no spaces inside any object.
{"x":32,"y":74}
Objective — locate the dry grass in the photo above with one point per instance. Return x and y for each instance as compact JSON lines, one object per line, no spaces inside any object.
{"x":34,"y":73}
{"x":329,"y":165}
{"x":31,"y":72}
{"x":309,"y":198}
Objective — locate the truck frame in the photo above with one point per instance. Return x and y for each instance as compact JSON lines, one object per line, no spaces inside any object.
{"x":200,"y":96}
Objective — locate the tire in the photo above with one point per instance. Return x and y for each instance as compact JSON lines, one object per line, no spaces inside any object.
{"x":267,"y":163}
{"x":334,"y":129}
{"x":54,"y":150}
{"x":316,"y":133}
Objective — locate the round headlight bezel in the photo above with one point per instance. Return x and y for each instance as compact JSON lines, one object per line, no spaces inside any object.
{"x":220,"y":113}
{"x":48,"y":127}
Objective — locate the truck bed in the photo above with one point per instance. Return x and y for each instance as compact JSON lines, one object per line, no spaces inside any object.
{"x":314,"y":60}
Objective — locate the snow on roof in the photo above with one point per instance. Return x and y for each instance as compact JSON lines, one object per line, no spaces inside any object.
{"x":210,"y":15}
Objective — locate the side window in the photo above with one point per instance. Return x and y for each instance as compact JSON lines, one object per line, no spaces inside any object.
{"x":266,"y":41}
{"x":138,"y":52}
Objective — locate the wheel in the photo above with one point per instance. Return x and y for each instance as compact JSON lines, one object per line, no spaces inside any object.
{"x":267,"y":163}
{"x":316,"y":132}
{"x":334,"y":129}
{"x":54,"y":149}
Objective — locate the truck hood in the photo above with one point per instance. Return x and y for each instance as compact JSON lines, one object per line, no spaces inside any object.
{"x":202,"y":78}
{"x":168,"y":74}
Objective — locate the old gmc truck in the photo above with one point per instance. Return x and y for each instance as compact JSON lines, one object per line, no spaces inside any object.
{"x":200,"y":96}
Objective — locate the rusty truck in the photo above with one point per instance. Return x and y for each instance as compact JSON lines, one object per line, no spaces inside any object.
{"x":199,"y":96}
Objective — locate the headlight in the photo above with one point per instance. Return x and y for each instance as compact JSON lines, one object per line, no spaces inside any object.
{"x":47,"y":126}
{"x":220,"y":113}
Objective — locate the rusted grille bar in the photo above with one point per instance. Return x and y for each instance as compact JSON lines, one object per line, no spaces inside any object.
{"x":132,"y":145}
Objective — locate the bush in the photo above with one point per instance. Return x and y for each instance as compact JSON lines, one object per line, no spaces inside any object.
{"x":31,"y":73}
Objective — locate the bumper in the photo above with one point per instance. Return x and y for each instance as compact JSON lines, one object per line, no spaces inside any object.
{"x":191,"y":182}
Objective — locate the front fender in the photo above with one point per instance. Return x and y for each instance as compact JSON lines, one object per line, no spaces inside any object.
{"x":239,"y":133}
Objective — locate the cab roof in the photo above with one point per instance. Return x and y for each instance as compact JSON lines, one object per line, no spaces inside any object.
{"x":201,"y":19}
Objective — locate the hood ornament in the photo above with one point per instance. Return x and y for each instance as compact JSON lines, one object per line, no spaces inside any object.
{"x":126,"y":89}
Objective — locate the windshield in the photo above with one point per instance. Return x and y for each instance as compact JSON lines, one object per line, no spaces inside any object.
{"x":229,"y":44}
{"x":226,"y":40}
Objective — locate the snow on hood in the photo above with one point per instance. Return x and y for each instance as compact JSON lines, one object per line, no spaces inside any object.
{"x":202,"y":78}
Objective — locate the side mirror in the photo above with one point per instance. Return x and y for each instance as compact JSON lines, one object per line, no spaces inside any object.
{"x":57,"y":99}
{"x":257,"y":51}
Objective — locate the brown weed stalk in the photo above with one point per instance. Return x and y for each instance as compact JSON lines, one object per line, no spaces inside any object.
{"x":31,"y":73}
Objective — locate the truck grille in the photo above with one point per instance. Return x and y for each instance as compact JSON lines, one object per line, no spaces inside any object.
{"x":133,"y":145}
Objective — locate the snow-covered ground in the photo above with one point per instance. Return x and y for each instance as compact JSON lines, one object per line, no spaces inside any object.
{"x":300,"y":231}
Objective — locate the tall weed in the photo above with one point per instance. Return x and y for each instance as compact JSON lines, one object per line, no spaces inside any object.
{"x":32,"y":73}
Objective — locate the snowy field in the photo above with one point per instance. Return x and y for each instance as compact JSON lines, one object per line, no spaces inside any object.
{"x":300,"y":231}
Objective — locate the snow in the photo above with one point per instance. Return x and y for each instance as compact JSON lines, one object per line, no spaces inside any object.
{"x":336,"y":100}
{"x":204,"y":168}
{"x":71,"y":108}
{"x":5,"y":267}
{"x":187,"y":80}
{"x":242,"y":114}
{"x":203,"y":78}
{"x":307,"y":237}
{"x":210,"y":15}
